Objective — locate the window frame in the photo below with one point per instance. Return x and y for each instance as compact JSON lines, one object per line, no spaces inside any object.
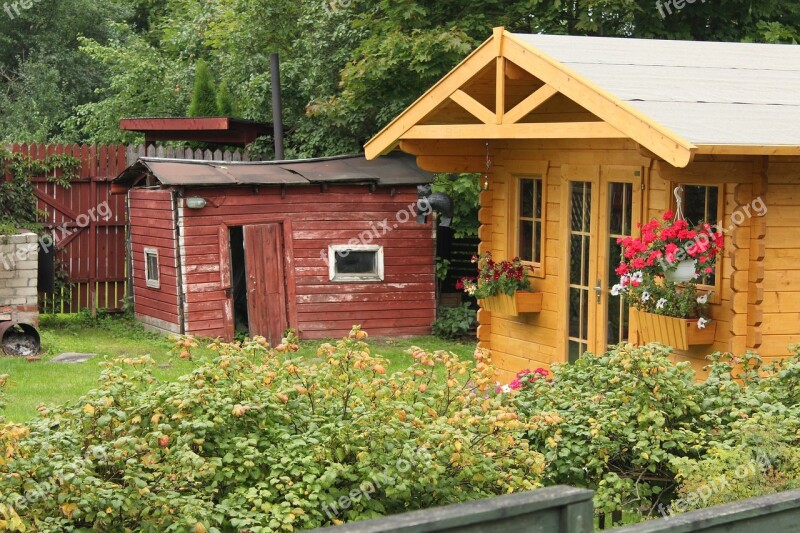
{"x":150,"y":281}
{"x":537,"y":268}
{"x":375,"y":277}
{"x":715,"y":289}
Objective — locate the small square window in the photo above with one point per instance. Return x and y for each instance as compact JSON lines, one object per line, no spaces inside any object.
{"x":151,"y":273}
{"x":355,"y":263}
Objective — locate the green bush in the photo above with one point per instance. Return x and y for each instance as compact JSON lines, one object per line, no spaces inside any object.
{"x":454,"y":322}
{"x":613,"y":423}
{"x":260,"y":440}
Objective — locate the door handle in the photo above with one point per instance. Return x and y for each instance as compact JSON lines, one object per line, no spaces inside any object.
{"x":599,"y":289}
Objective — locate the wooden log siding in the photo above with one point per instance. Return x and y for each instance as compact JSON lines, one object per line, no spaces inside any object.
{"x":153,"y":227}
{"x":403,"y":304}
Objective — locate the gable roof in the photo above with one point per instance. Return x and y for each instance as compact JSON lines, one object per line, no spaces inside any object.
{"x":675,"y":98}
{"x":711,"y":93}
{"x":395,"y":170}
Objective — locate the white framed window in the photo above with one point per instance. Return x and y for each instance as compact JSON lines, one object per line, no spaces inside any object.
{"x":355,"y":263}
{"x":151,"y":272}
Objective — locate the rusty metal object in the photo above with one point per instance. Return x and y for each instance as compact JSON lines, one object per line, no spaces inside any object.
{"x":18,"y":339}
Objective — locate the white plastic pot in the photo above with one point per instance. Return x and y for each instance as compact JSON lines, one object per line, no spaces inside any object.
{"x":685,"y":271}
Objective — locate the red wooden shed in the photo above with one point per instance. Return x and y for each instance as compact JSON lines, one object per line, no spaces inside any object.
{"x":317,"y":245}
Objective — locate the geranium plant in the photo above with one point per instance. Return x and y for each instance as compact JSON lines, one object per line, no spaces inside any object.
{"x":663,"y":246}
{"x":504,"y":277}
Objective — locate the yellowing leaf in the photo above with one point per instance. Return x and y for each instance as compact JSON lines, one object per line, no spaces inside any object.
{"x":68,"y":508}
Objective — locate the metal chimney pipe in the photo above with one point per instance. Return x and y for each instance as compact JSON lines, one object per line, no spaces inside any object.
{"x":277,"y":106}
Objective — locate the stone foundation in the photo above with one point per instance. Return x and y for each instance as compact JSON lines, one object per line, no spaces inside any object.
{"x":19,"y":276}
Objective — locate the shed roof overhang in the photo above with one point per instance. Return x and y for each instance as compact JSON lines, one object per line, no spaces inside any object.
{"x":219,"y":130}
{"x":396,"y":170}
{"x":524,"y":82}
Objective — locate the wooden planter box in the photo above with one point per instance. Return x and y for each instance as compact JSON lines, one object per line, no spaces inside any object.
{"x":680,"y":333}
{"x":521,"y":302}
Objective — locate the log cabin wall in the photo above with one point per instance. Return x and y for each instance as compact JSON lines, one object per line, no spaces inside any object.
{"x":745,"y":277}
{"x":152,"y":228}
{"x":403,"y":304}
{"x":779,"y":293}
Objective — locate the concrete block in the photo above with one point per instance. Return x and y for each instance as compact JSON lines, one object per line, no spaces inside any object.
{"x":28,"y":265}
{"x":26,"y":291}
{"x":16,"y":282}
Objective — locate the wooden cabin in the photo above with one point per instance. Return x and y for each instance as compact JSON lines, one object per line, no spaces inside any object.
{"x":585,"y":137}
{"x":317,"y":245}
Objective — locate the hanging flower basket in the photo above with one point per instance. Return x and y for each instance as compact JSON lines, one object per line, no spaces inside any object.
{"x":683,"y":272}
{"x":520,"y":302}
{"x":680,"y":333}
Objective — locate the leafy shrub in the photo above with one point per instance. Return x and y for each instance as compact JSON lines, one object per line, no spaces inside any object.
{"x":613,"y":423}
{"x":261,"y":440}
{"x":454,"y":322}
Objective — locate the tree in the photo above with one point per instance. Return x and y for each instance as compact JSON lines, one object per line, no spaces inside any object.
{"x":204,"y":97}
{"x":224,"y":100}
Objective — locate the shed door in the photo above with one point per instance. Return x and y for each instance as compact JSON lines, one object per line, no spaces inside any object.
{"x":266,"y":282}
{"x":600,"y":211}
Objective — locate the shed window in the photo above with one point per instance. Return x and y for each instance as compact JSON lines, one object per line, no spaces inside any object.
{"x":355,"y":263}
{"x":701,"y":204}
{"x":529,"y":220}
{"x":151,"y":273}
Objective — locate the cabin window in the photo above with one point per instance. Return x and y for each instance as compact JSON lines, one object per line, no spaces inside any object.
{"x":529,"y":220}
{"x":355,"y":263}
{"x":151,"y":273}
{"x":701,"y":203}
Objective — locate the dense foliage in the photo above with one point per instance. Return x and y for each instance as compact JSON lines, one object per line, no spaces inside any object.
{"x":640,"y":431}
{"x":259,"y":440}
{"x":454,"y":322}
{"x":70,"y":70}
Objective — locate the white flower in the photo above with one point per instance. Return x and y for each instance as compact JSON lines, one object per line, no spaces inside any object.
{"x":702,"y":299}
{"x":505,"y":389}
{"x":615,"y":290}
{"x":701,"y":323}
{"x":624,"y":280}
{"x":661,"y":303}
{"x":638,"y":276}
{"x":645,"y":296}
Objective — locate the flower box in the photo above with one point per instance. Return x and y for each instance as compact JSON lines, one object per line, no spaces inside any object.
{"x":520,"y":302}
{"x":680,"y":333}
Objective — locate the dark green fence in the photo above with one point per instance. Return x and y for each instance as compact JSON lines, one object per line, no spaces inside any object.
{"x":569,"y":510}
{"x":552,"y":510}
{"x":774,"y":513}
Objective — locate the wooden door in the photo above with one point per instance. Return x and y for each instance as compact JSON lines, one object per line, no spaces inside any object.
{"x":266,"y":281}
{"x":599,"y":209}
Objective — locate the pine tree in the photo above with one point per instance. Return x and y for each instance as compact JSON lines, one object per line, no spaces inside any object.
{"x":204,"y":97}
{"x":224,"y":100}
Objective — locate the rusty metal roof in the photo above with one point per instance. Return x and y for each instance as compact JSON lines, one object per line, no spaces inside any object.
{"x":395,"y":169}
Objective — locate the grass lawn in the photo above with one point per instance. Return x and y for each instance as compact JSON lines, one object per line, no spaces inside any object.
{"x":32,"y":384}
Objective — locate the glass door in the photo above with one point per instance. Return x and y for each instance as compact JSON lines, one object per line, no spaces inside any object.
{"x":600,"y":213}
{"x":581,"y":269}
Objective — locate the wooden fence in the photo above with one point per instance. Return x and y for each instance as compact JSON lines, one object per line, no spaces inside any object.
{"x":564,"y":509}
{"x":558,"y":509}
{"x":89,"y":223}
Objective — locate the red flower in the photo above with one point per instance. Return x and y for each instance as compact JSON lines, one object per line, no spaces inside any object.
{"x":668,"y":214}
{"x":638,"y":263}
{"x":622,"y":269}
